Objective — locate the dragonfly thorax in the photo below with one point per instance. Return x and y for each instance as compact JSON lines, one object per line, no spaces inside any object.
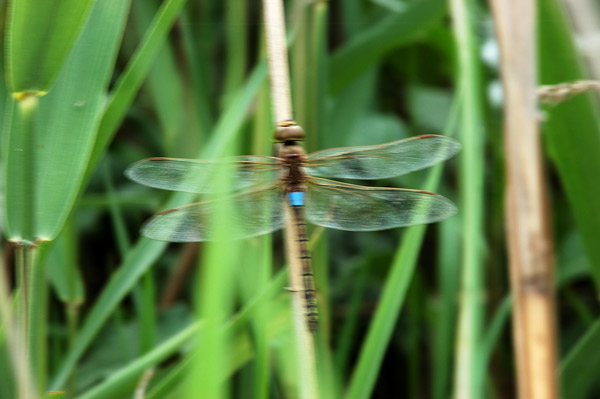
{"x":293,"y":160}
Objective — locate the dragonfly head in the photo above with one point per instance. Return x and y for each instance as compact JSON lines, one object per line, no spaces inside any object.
{"x":288,"y":131}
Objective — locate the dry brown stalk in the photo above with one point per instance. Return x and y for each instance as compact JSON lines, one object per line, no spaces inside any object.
{"x":277,"y":56}
{"x":528,"y":232}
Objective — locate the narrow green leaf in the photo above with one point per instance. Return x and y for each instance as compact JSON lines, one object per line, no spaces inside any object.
{"x":572,"y":128}
{"x":579,"y":369}
{"x":132,"y":78}
{"x":166,"y":86}
{"x":63,"y":271}
{"x":113,"y":386}
{"x":366,"y":49}
{"x":40,"y":36}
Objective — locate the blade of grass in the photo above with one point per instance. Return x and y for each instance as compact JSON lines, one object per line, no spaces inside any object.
{"x":214,"y":299}
{"x":165,"y":85}
{"x":365,"y":49}
{"x":445,"y":321}
{"x":579,"y":368}
{"x":236,"y":30}
{"x":123,"y":379}
{"x":132,"y":78}
{"x":498,"y":322}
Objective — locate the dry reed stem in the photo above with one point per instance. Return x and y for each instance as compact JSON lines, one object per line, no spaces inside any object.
{"x":278,"y":60}
{"x":528,"y":231}
{"x":275,"y":36}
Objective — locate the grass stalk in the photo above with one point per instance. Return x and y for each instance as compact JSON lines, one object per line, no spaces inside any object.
{"x":37,"y":291}
{"x":470,"y":317}
{"x":26,"y":387}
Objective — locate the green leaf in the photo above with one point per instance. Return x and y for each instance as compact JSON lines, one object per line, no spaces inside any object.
{"x":572,"y":128}
{"x":579,"y":369}
{"x":62,"y":130}
{"x":40,"y":36}
{"x":132,"y":78}
{"x":63,"y":270}
{"x":367,"y":48}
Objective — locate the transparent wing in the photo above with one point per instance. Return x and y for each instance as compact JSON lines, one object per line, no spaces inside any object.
{"x":195,"y":175}
{"x":253,"y":212}
{"x":356,"y":208}
{"x":382,"y":161}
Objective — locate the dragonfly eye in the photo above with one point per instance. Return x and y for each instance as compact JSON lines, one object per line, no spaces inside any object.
{"x":288,"y":131}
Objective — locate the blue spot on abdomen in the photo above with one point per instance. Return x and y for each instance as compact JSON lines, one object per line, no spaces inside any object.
{"x":296,"y":198}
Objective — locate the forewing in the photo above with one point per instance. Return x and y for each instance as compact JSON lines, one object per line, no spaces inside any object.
{"x":382,"y":161}
{"x":356,"y":208}
{"x":254,"y":212}
{"x":195,"y":175}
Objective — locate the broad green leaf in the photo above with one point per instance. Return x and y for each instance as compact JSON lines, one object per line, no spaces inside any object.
{"x":367,"y":48}
{"x":40,"y":36}
{"x":572,"y":128}
{"x":63,"y":131}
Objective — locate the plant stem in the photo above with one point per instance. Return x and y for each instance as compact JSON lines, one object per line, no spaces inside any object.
{"x":470,"y":318}
{"x":277,"y":56}
{"x":528,"y":229}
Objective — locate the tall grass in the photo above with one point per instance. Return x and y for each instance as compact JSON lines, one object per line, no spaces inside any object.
{"x":129,"y":80}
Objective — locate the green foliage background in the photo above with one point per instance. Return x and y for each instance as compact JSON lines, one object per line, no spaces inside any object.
{"x":134,"y":79}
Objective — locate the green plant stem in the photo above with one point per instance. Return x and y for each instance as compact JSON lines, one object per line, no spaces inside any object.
{"x":22,"y":325}
{"x":36,"y":316}
{"x":32,"y":321}
{"x":470,"y":319}
{"x":72,"y":312}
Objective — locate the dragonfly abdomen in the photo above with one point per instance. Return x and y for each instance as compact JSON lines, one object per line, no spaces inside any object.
{"x":296,"y":199}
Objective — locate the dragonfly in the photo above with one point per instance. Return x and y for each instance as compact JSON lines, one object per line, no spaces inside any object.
{"x":263,"y":185}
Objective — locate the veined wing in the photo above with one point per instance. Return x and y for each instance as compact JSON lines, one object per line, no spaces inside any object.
{"x":356,"y":208}
{"x":382,"y":161}
{"x":195,"y":175}
{"x":253,"y":212}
